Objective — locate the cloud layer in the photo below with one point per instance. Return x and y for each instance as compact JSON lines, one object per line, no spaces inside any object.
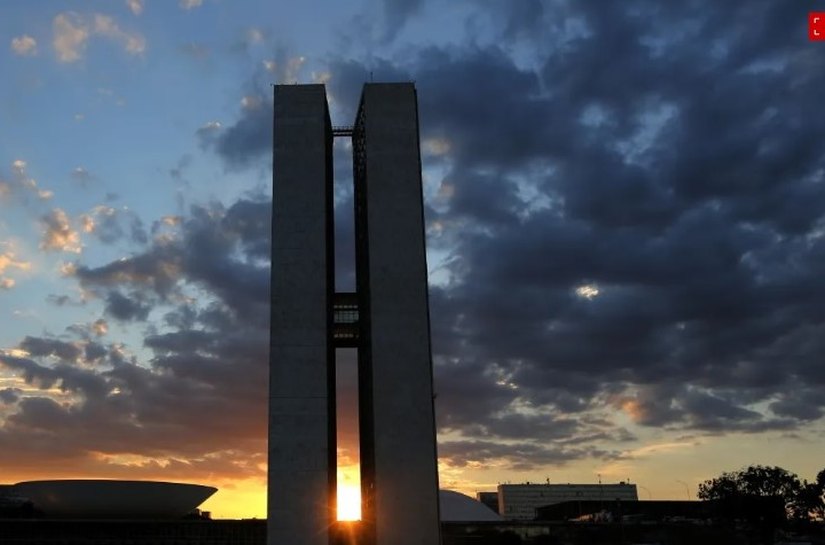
{"x":625,"y":229}
{"x":632,"y":221}
{"x":72,"y":31}
{"x":195,"y":406}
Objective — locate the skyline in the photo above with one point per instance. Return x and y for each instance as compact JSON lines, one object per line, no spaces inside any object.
{"x":624,"y":220}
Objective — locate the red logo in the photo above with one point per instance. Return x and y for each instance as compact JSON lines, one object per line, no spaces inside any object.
{"x":816,"y":26}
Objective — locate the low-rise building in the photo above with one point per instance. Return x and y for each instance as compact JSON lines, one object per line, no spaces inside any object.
{"x":520,"y":501}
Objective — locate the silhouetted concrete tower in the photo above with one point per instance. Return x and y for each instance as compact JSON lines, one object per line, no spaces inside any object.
{"x":387,"y":320}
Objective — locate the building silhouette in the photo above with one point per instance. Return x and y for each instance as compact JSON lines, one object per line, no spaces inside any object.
{"x":520,"y":501}
{"x":386,"y":319}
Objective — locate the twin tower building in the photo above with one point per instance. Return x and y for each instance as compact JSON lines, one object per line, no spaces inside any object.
{"x":386,"y":319}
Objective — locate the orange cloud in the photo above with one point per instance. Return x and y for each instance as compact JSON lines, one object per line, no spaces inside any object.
{"x":58,"y":234}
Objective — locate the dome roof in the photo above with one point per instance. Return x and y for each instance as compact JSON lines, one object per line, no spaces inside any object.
{"x":89,"y":498}
{"x":457,"y":507}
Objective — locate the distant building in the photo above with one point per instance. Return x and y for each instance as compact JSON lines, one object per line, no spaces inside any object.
{"x":490,"y":499}
{"x":520,"y":501}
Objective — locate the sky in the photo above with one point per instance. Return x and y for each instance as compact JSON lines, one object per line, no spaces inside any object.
{"x":625,"y":215}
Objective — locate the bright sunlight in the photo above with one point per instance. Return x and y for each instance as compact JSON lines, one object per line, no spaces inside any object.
{"x":349,"y":502}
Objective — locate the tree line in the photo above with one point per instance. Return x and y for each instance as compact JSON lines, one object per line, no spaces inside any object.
{"x":803,"y":500}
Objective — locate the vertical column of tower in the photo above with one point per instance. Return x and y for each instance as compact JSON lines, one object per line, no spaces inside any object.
{"x":301,"y":405}
{"x":398,"y":453}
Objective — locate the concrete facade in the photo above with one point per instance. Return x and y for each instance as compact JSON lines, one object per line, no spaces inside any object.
{"x":301,"y":391}
{"x":399,"y":475}
{"x":387,"y":320}
{"x":520,"y":501}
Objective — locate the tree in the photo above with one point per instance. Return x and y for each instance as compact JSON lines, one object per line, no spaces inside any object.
{"x":819,"y":509}
{"x":723,"y":487}
{"x":770,"y":481}
{"x":755,"y":481}
{"x":810,"y":502}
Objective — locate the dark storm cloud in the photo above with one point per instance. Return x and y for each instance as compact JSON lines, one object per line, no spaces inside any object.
{"x":123,"y":401}
{"x":221,"y":250}
{"x":94,"y":351}
{"x":41,"y":347}
{"x":10,"y":395}
{"x":33,"y":373}
{"x":85,"y":331}
{"x":518,"y":456}
{"x":800,"y":407}
{"x":349,"y":77}
{"x":737,"y":134}
{"x":633,"y":217}
{"x":125,"y":308}
{"x":210,"y":352}
{"x":397,"y":13}
{"x":643,"y":209}
{"x":251,"y":221}
{"x":241,"y":284}
{"x":249,"y":137}
{"x":158,"y":269}
{"x":345,"y":245}
{"x":633,"y":220}
{"x":248,"y":141}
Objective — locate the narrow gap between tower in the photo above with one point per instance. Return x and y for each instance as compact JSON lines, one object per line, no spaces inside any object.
{"x":346,"y":358}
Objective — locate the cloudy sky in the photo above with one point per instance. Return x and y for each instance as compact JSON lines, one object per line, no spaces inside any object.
{"x":625,"y":220}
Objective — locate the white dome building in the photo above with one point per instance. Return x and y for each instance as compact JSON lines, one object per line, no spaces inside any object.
{"x":94,"y":498}
{"x":457,"y":507}
{"x":116,"y":499}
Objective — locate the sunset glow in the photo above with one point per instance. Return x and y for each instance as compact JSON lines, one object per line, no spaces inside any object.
{"x":625,"y":269}
{"x":349,"y":502}
{"x":349,"y":489}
